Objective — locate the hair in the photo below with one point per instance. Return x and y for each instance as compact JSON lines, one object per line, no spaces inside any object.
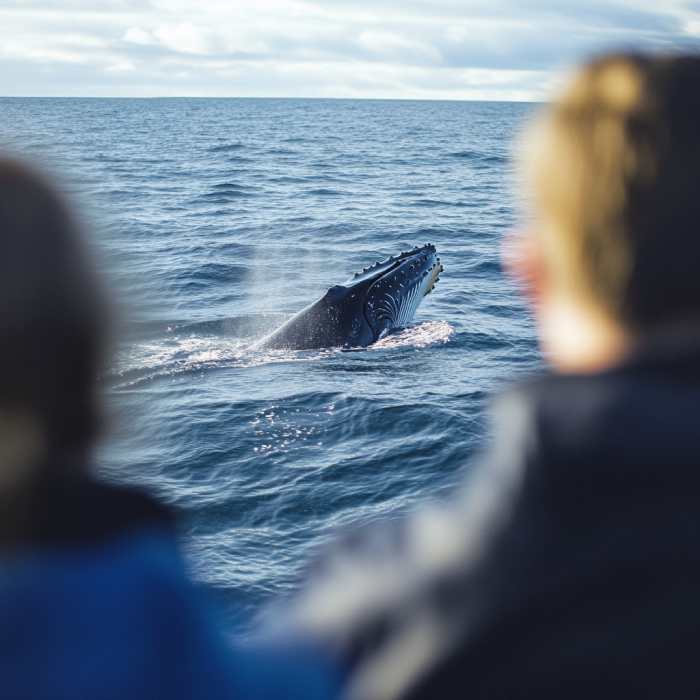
{"x":614,"y":167}
{"x":51,"y":313}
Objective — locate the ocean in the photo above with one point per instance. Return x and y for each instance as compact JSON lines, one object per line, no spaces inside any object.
{"x":214,"y":220}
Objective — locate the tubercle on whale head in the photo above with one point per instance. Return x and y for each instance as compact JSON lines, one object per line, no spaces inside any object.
{"x":381,"y":267}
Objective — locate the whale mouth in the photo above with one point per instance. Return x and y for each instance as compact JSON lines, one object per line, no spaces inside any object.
{"x":397,"y":286}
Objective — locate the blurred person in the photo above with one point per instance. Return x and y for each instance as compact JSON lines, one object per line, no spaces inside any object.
{"x":569,"y":566}
{"x":94,"y":598}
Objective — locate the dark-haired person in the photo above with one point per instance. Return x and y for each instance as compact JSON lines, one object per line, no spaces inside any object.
{"x":94,"y":600}
{"x":570,"y":565}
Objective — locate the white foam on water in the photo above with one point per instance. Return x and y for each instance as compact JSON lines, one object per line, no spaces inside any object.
{"x":175,"y":355}
{"x":420,"y":336}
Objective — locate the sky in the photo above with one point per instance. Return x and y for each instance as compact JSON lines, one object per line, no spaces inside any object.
{"x":389,"y":49}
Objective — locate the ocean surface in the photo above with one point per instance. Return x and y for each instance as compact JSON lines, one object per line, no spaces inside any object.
{"x":213,"y":220}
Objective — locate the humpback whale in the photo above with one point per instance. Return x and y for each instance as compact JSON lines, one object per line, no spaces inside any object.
{"x":363,"y":309}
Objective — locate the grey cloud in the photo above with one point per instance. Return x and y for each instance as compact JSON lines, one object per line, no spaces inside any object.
{"x":538,"y":45}
{"x":601,"y":13}
{"x":341,"y":47}
{"x":81,"y":6}
{"x":548,"y":46}
{"x":594,"y":13}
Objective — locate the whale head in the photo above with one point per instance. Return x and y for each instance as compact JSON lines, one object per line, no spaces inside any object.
{"x":394,"y":288}
{"x":364,"y":309}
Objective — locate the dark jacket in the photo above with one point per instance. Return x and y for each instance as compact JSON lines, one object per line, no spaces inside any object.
{"x":95,"y":603}
{"x":568,"y":568}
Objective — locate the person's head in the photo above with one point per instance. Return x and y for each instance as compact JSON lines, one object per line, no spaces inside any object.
{"x":51,"y":330}
{"x":613,"y":167}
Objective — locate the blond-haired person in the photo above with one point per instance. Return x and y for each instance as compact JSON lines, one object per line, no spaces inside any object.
{"x":569,"y":567}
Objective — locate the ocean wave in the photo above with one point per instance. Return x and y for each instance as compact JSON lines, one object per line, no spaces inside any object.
{"x":226,"y":147}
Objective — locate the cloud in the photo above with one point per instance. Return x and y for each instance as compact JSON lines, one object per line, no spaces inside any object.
{"x":136,"y":35}
{"x":445,"y":49}
{"x":397,"y":48}
{"x":184,"y":38}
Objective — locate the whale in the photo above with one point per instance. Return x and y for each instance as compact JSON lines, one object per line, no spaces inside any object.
{"x":363,"y":310}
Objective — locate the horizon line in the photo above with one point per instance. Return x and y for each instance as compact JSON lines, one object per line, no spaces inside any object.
{"x":263,"y":97}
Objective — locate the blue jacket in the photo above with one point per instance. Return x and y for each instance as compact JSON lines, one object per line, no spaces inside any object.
{"x":95,"y":604}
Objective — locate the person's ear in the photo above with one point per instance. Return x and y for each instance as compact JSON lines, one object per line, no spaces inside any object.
{"x":521,"y":259}
{"x":22,"y":446}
